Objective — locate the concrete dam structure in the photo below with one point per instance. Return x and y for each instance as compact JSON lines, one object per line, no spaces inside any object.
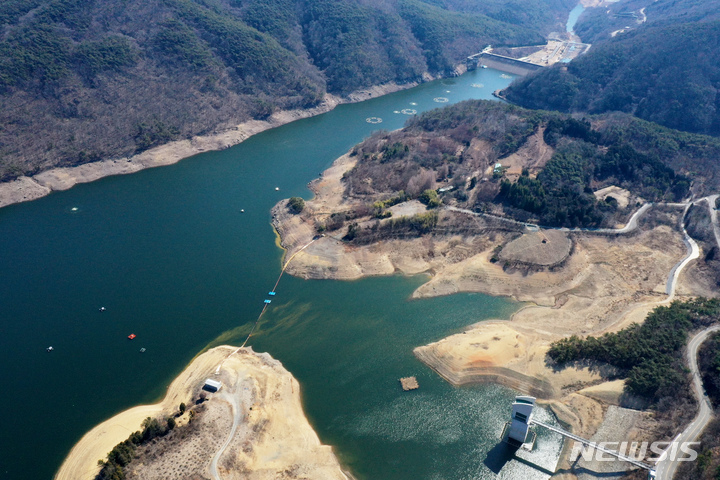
{"x":502,"y":63}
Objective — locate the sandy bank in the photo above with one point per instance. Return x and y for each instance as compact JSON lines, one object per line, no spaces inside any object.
{"x":332,"y":258}
{"x":577,"y":283}
{"x":30,"y":188}
{"x":258,"y":393}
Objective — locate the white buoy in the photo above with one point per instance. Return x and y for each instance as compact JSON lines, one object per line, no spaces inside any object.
{"x":74,"y":209}
{"x":242,"y":210}
{"x":277,"y":189}
{"x":102,"y":309}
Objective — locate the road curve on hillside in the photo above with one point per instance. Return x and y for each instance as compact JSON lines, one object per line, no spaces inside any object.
{"x":666,"y":469}
{"x":629,"y":227}
{"x":693,"y":253}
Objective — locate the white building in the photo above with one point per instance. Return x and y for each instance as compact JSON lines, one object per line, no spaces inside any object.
{"x":522,"y":411}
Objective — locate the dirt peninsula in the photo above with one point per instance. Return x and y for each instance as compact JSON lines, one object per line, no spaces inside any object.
{"x":253,"y":428}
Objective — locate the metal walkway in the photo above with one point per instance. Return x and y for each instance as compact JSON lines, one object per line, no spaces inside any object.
{"x":590,"y":444}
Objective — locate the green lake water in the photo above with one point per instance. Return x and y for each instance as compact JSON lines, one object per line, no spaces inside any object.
{"x":173,"y":260}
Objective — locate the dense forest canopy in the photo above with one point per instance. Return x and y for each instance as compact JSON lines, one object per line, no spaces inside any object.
{"x":454,"y":147}
{"x":649,"y":354}
{"x":666,"y":70}
{"x":106,"y":78}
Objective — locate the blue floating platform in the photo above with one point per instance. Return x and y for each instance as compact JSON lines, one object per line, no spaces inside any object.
{"x":271,"y":293}
{"x":268,"y":301}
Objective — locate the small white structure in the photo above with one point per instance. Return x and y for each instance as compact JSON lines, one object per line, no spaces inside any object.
{"x":522,"y":411}
{"x":212,"y":385}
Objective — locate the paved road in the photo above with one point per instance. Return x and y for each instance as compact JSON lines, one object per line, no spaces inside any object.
{"x":666,"y":469}
{"x":693,"y":253}
{"x":631,"y":225}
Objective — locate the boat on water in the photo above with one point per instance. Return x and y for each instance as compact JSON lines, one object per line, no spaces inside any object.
{"x":142,"y":350}
{"x":102,"y":309}
{"x":132,"y":336}
{"x":50,"y":348}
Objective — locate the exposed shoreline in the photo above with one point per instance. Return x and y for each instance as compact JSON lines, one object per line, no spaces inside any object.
{"x":248,"y":378}
{"x":27,"y":188}
{"x":591,"y":290}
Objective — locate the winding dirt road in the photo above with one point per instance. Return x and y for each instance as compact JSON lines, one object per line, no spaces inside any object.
{"x":237,"y":418}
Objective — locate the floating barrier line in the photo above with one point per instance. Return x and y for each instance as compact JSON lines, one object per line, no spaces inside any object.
{"x":257,"y":322}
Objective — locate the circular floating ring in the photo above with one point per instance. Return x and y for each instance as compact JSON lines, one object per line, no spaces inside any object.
{"x":373,"y":120}
{"x":447,"y":83}
{"x":408,"y":111}
{"x":477,"y":85}
{"x":440,"y":100}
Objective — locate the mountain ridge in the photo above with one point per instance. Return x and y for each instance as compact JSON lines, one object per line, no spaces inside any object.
{"x":83,"y":81}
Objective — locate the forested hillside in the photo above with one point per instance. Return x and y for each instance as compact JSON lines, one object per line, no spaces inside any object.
{"x":550,"y":164}
{"x":649,"y":356}
{"x":82,"y":80}
{"x":666,"y":70}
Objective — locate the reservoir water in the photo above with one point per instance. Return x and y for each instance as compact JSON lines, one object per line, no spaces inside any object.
{"x":169,"y":255}
{"x":574,"y":17}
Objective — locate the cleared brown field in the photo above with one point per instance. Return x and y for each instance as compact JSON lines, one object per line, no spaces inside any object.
{"x":545,"y":248}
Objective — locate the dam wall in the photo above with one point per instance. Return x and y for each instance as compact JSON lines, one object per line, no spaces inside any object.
{"x":504,"y":64}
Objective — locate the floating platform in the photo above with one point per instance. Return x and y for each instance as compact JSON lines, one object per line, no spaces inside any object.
{"x":409,"y":383}
{"x":268,"y":301}
{"x":272,"y":294}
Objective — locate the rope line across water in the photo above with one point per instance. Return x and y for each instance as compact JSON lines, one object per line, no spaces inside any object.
{"x":257,"y":322}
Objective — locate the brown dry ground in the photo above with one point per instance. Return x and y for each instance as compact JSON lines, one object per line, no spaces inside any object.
{"x":533,"y":155}
{"x":545,"y":248}
{"x":273,"y":438}
{"x":622,"y":196}
{"x":604,"y":284}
